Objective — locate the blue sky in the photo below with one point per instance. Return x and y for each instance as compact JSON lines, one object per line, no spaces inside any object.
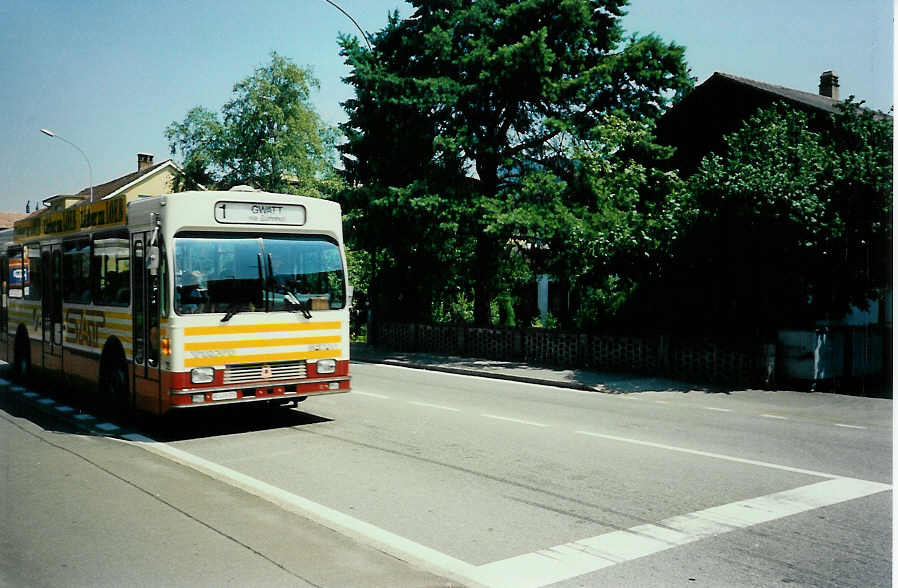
{"x":111,"y":75}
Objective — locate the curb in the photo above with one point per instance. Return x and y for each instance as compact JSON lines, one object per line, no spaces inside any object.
{"x":84,"y":422}
{"x":481,"y":374}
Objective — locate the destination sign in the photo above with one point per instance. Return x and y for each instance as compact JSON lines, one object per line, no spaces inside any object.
{"x":260,"y":213}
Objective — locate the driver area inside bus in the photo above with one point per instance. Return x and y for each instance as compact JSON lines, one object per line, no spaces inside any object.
{"x":233,"y":273}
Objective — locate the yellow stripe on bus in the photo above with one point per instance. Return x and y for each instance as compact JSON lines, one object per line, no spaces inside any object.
{"x":260,"y":343}
{"x":242,"y":329}
{"x":118,"y":315}
{"x":261,"y":358}
{"x":111,"y":327}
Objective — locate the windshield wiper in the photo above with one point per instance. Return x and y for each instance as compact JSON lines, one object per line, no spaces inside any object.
{"x":231,"y":311}
{"x":295,"y":303}
{"x":262,"y":280}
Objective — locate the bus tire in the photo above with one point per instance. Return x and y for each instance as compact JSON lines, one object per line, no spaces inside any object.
{"x":22,"y":355}
{"x":115,"y":395}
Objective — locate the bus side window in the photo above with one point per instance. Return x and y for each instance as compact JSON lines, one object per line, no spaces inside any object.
{"x":16,"y":274}
{"x":110,"y":269}
{"x":34,"y":272}
{"x":76,"y":271}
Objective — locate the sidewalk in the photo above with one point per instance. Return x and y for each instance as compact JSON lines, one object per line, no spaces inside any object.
{"x":578,"y":379}
{"x":88,"y":510}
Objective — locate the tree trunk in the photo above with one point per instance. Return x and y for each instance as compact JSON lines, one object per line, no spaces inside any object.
{"x":487,"y":260}
{"x":487,"y":251}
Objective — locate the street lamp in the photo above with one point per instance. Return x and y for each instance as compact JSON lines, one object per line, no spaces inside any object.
{"x":364,"y":36}
{"x":90,"y":171}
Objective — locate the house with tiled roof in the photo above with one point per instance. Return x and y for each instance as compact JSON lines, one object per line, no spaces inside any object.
{"x":854,"y":346}
{"x":8,"y":218}
{"x":719,"y":105}
{"x":150,"y":179}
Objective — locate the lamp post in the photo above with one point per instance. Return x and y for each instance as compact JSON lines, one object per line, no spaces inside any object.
{"x":90,"y":171}
{"x":346,"y":14}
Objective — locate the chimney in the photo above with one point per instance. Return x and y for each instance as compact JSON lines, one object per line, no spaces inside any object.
{"x":144,"y":160}
{"x":829,"y":85}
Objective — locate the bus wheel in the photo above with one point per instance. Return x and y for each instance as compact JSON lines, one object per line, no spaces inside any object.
{"x":114,"y":392}
{"x":22,"y":357}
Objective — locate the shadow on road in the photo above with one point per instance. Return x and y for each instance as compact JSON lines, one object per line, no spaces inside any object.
{"x":17,"y":406}
{"x":44,"y":411}
{"x":226,"y":420}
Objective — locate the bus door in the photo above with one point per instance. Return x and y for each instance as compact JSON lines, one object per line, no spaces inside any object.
{"x":145,"y":324}
{"x":6,"y":276}
{"x":51,"y":307}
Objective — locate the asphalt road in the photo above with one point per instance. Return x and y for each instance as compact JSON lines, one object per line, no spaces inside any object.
{"x":484,"y":482}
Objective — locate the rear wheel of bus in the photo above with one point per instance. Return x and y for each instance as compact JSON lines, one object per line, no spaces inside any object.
{"x":22,"y":356}
{"x":114,"y":394}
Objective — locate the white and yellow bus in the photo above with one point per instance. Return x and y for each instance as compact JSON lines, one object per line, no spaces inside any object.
{"x":183,"y":300}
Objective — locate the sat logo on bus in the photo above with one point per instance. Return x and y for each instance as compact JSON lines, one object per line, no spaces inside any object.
{"x":266,"y":372}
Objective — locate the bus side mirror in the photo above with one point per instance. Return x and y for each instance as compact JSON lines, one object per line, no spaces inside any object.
{"x":349,"y":290}
{"x":153,"y":258}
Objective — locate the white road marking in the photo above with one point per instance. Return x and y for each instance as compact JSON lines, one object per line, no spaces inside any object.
{"x":850,"y":426}
{"x":708,"y":454}
{"x":391,"y":543}
{"x":511,"y":420}
{"x":562,"y":562}
{"x":439,"y":406}
{"x":717,"y":409}
{"x":775,"y":416}
{"x":371,"y":394}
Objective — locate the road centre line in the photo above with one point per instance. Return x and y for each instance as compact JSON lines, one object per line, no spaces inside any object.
{"x":512,"y":420}
{"x":371,"y":394}
{"x":709,"y":454}
{"x":711,"y":408}
{"x":598,"y":389}
{"x":438,"y":406}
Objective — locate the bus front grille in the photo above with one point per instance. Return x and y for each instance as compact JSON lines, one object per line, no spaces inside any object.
{"x":258,"y":371}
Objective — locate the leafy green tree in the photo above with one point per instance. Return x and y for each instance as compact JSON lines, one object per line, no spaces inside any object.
{"x":796,"y":223}
{"x":605,"y":225}
{"x":268,"y":136}
{"x":491,"y":89}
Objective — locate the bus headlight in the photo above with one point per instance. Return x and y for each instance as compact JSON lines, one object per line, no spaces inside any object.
{"x":202,"y":375}
{"x":326,"y":366}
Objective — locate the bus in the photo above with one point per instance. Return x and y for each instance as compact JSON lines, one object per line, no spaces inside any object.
{"x":180,"y":301}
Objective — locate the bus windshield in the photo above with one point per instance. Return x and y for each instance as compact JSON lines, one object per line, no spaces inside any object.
{"x":233,"y":273}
